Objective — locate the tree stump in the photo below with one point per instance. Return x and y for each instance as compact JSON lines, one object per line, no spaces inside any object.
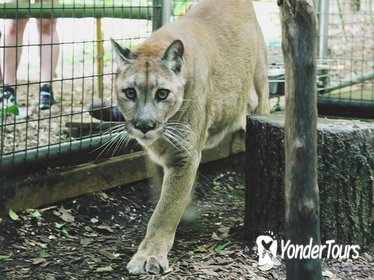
{"x":345,"y":178}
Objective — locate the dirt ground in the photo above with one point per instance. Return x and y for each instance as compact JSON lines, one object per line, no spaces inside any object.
{"x":94,"y":236}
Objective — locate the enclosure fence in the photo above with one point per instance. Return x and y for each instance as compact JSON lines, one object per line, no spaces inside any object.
{"x":85,"y":69}
{"x":346,"y":54}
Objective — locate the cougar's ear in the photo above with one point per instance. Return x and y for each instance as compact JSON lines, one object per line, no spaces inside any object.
{"x":173,"y":56}
{"x":122,"y":55}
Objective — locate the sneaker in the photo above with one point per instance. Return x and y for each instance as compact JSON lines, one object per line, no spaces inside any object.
{"x":104,"y":111}
{"x":7,"y":96}
{"x":46,"y":99}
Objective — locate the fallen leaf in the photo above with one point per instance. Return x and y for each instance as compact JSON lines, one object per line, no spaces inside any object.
{"x":104,"y":269}
{"x":44,"y":239}
{"x":207,"y":245}
{"x":103,"y":196}
{"x":86,"y":241}
{"x":59,"y":225}
{"x":66,"y":216}
{"x":5,"y":257}
{"x":107,"y":228}
{"x":37,"y":261}
{"x":50,"y":277}
{"x":36,"y":214}
{"x":13,"y":215}
{"x":224,"y":231}
{"x":216,"y":237}
{"x":107,"y":254}
{"x":87,"y":228}
{"x":94,"y":220}
{"x":210,"y":272}
{"x":44,"y":254}
{"x":220,"y":248}
{"x":327,"y":273}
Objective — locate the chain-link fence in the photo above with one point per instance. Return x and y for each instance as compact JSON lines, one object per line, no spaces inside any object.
{"x":74,"y":57}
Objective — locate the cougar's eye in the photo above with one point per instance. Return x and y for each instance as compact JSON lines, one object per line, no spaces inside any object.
{"x":130,"y":93}
{"x":162,"y":94}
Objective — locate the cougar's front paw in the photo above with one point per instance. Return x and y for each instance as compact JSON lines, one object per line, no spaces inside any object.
{"x":143,"y":262}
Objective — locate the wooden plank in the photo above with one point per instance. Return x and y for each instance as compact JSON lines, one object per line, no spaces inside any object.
{"x":63,"y":184}
{"x":59,"y":184}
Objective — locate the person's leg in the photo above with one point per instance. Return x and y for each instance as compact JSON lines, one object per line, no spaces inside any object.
{"x":49,"y":50}
{"x":10,"y":54}
{"x":11,"y":42}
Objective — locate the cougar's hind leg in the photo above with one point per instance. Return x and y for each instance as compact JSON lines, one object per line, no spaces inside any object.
{"x":262,"y":87}
{"x":253,"y":100}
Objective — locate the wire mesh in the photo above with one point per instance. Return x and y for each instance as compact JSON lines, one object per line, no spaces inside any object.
{"x":85,"y":71}
{"x":349,"y":61}
{"x":80,"y":42}
{"x":345,"y":68}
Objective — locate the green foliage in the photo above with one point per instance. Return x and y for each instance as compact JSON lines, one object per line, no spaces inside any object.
{"x":12,"y":109}
{"x":44,"y":254}
{"x":36,"y":214}
{"x":59,"y":225}
{"x":13,"y":215}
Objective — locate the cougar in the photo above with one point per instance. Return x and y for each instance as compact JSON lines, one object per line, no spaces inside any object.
{"x":181,"y":91}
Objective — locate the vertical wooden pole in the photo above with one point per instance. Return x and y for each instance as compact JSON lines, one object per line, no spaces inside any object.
{"x":299,"y":35}
{"x":99,"y":57}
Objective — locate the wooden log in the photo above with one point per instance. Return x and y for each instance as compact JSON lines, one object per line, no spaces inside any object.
{"x":345,"y":179}
{"x":299,"y":42}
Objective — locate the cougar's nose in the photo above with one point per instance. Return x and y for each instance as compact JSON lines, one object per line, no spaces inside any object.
{"x":145,"y":126}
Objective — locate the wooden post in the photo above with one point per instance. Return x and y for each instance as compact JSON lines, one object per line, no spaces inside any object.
{"x":100,"y":57}
{"x":299,"y":41}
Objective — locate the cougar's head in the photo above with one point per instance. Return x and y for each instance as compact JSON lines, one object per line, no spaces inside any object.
{"x":150,"y":87}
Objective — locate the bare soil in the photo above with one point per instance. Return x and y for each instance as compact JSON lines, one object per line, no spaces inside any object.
{"x":94,"y":236}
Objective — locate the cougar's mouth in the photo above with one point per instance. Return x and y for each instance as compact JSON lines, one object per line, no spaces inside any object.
{"x":175,"y":133}
{"x":145,"y":137}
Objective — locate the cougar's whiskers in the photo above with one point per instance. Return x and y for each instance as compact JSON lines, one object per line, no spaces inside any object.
{"x":179,"y":136}
{"x":119,"y":138}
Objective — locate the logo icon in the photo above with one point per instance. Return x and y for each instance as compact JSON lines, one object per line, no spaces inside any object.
{"x":267,"y":249}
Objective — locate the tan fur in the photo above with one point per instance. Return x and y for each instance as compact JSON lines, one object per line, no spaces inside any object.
{"x":222,"y":79}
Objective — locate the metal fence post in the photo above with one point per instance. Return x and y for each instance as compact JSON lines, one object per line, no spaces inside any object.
{"x":166,"y":11}
{"x":323,"y":18}
{"x":161,"y":13}
{"x":157,"y":14}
